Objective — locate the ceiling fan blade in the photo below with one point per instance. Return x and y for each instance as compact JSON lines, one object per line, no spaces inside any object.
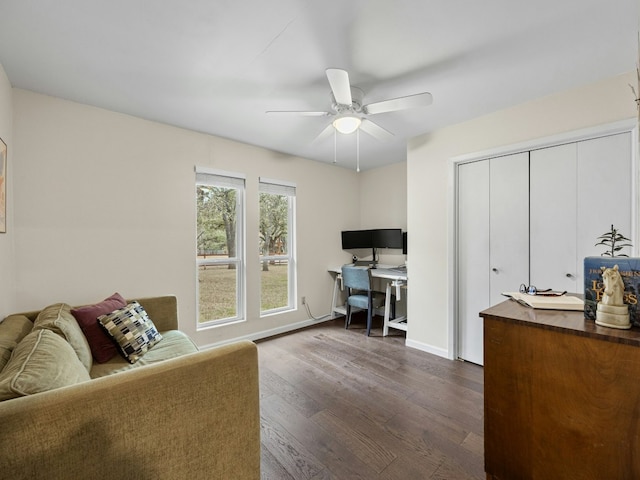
{"x":375,"y":130}
{"x":340,"y":86}
{"x":305,"y":114}
{"x":324,"y":133}
{"x":401,"y":103}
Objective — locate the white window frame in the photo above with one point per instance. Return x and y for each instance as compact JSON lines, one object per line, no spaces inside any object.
{"x":221,"y":178}
{"x":281,"y":187}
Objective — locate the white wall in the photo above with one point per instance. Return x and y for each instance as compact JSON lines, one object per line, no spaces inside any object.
{"x":7,"y":265}
{"x":383,"y":203}
{"x":104,"y":202}
{"x":428,"y":185}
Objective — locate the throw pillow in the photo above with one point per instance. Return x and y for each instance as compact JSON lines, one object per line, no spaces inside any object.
{"x":58,"y":319}
{"x":12,"y":330}
{"x":42,"y":361}
{"x":102,"y":347}
{"x":132,"y":329}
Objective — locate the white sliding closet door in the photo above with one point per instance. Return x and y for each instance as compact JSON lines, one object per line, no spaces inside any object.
{"x":553,"y":218}
{"x":509,"y":224}
{"x":578,"y":191}
{"x":493,"y":241}
{"x":604,"y":180}
{"x":473,"y":257}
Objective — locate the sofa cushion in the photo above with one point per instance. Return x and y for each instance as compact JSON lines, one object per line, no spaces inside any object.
{"x":102,"y":346}
{"x":42,"y":361}
{"x":12,"y":330}
{"x":58,"y":319}
{"x":174,"y":344}
{"x":132,"y":329}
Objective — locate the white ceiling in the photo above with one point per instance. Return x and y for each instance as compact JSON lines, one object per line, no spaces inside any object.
{"x":216,"y":66}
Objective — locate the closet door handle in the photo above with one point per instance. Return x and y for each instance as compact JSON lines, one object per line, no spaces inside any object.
{"x":494,"y":270}
{"x":569,"y":275}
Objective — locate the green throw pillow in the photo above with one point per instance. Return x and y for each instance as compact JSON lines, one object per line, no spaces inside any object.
{"x":12,"y":330}
{"x":42,"y":361}
{"x":58,"y":319}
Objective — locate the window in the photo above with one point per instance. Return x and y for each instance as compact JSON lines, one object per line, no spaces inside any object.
{"x":277,"y":246}
{"x":220,"y":247}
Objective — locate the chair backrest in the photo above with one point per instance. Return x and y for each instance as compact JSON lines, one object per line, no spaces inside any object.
{"x":357,"y":278}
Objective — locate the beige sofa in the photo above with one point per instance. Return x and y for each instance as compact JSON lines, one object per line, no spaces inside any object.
{"x":193,"y":416}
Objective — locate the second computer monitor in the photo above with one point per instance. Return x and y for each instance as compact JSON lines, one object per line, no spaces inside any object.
{"x":387,"y":238}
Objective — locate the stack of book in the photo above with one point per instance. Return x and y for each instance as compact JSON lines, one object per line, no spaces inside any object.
{"x":629,"y":268}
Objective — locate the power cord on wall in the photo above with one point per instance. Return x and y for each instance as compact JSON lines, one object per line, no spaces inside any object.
{"x":306,"y":306}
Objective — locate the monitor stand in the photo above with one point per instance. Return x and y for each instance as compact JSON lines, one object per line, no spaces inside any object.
{"x":369,"y":263}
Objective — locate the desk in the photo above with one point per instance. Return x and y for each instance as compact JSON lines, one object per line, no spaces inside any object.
{"x":394,"y":278}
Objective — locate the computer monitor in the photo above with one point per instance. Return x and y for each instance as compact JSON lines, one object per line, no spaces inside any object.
{"x":387,"y":238}
{"x":373,"y":239}
{"x":352,"y":239}
{"x":404,"y":243}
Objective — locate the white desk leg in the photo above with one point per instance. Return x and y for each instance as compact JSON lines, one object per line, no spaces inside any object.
{"x":387,"y":308}
{"x":336,"y":292}
{"x":398,"y":285}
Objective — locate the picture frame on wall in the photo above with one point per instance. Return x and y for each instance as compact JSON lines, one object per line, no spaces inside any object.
{"x":3,"y":186}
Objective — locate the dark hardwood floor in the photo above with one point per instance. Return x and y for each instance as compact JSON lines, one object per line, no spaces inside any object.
{"x":336,"y":404}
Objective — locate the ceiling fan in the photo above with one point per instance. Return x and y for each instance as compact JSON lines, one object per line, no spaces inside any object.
{"x":350,"y":114}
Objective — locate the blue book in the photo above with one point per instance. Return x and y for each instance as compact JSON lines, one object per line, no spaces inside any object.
{"x":629,"y":268}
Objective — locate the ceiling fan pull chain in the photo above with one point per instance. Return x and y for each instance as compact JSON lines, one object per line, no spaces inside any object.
{"x":358,"y":150}
{"x":335,"y":146}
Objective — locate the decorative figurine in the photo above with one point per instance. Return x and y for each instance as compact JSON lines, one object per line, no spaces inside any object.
{"x":611,"y":310}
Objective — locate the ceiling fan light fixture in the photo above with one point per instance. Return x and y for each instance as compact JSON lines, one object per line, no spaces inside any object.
{"x":347,"y":124}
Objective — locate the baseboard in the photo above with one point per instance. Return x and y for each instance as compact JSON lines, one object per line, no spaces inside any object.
{"x":269,"y":333}
{"x":441,"y":352}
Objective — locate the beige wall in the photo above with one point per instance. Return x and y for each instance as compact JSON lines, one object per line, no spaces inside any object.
{"x":429,"y":181}
{"x":104,"y":202}
{"x":383,"y":203}
{"x":7,"y":265}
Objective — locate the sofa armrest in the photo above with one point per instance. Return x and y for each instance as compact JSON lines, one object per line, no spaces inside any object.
{"x":195,"y":417}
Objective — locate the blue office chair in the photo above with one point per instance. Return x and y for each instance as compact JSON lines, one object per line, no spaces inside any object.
{"x":357,"y":280}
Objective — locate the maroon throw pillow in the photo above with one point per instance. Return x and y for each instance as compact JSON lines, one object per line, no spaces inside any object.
{"x":102,"y":346}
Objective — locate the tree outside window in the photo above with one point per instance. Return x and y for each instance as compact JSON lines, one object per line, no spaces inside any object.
{"x":277,"y":257}
{"x":219,"y":248}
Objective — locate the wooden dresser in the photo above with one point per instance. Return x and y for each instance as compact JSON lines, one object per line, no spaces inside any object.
{"x":561,"y":398}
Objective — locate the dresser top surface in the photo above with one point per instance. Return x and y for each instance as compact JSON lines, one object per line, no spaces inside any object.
{"x":569,"y":322}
